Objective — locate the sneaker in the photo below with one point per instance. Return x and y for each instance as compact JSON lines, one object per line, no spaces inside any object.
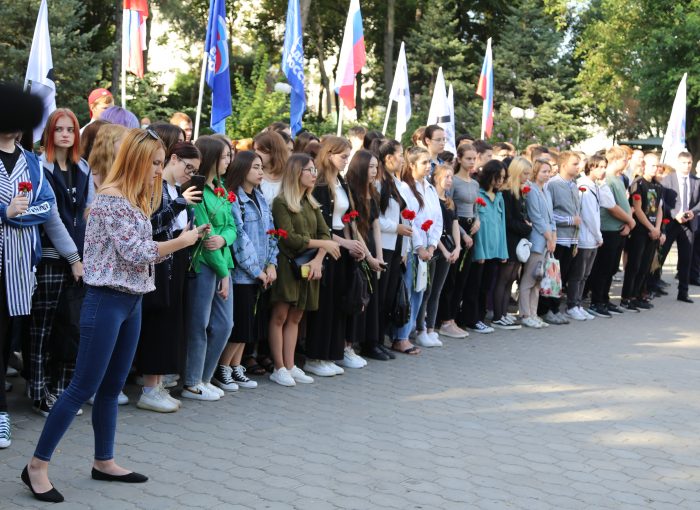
{"x":43,"y":406}
{"x":154,"y":400}
{"x":5,"y":430}
{"x":319,"y":368}
{"x":299,"y":376}
{"x":575,"y":314}
{"x":628,"y":305}
{"x":222,"y":378}
{"x":551,"y":318}
{"x":588,"y":316}
{"x":489,"y":315}
{"x":168,"y":396}
{"x":435,"y":337}
{"x":122,"y":399}
{"x":214,"y":389}
{"x":542,"y":322}
{"x":643,"y":304}
{"x":531,"y":322}
{"x":614,"y":309}
{"x":562,"y":318}
{"x":282,"y":377}
{"x":238,"y":375}
{"x":451,"y":330}
{"x":350,"y":359}
{"x":423,"y":339}
{"x":480,"y":327}
{"x":200,"y":392}
{"x":338,"y":369}
{"x":170,"y":380}
{"x":503,"y":323}
{"x":599,"y":310}
{"x":11,"y":372}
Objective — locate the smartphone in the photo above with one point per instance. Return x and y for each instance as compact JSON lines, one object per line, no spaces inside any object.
{"x":197,"y":182}
{"x":686,"y":215}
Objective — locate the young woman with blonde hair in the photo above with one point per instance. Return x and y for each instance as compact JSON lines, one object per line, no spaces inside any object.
{"x":105,"y":149}
{"x":119,"y":258}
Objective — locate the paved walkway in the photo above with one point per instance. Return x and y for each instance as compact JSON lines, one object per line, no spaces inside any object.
{"x":601,"y":415}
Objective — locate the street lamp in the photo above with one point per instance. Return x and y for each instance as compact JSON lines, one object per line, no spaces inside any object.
{"x":518,"y":114}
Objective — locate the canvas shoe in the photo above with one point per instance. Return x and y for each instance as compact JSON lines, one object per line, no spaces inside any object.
{"x":223,"y":380}
{"x":503,"y":323}
{"x":482,"y":328}
{"x":319,"y":368}
{"x":242,"y":380}
{"x":154,"y":400}
{"x":282,"y":377}
{"x":200,"y":392}
{"x":5,"y":430}
{"x":299,"y":376}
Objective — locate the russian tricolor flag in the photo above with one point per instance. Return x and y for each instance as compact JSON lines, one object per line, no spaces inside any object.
{"x":485,"y":90}
{"x":134,"y":35}
{"x":352,"y":56}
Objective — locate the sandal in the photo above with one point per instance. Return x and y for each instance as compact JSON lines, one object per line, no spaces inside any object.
{"x":267,"y":364}
{"x":252,"y":367}
{"x":411,"y":351}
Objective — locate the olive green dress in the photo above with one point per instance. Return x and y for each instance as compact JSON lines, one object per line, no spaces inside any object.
{"x":301,"y":227}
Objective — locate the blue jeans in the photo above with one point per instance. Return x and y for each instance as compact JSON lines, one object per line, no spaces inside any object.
{"x":209,"y":326}
{"x":110,"y":322}
{"x":416,"y":298}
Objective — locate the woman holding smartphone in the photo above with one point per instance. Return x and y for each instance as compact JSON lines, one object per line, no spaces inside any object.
{"x":118,"y":261}
{"x":211,"y":304}
{"x":298,"y":214}
{"x":162,"y":339}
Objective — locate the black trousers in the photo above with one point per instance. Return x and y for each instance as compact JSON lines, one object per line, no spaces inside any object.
{"x":640,"y":248}
{"x":468,"y":314}
{"x":388,"y":288}
{"x":565,"y":256}
{"x":454,"y":288}
{"x":695,"y":264}
{"x":681,"y":234}
{"x":5,"y":337}
{"x":606,"y":263}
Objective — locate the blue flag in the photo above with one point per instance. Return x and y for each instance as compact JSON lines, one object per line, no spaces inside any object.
{"x":217,"y":75}
{"x":293,"y":65}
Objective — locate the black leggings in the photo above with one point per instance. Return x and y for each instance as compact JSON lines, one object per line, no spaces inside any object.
{"x":507,"y":274}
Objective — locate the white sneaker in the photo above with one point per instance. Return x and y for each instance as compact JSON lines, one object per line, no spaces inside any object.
{"x":339,"y":370}
{"x":170,"y":380}
{"x":588,"y":316}
{"x":435,"y":337}
{"x":562,"y":318}
{"x":424,"y":340}
{"x":200,"y":392}
{"x":575,"y":314}
{"x":319,"y":368}
{"x":167,"y":395}
{"x":531,"y":322}
{"x":122,"y":399}
{"x":154,"y":400}
{"x":542,"y":323}
{"x":282,"y":377}
{"x":299,"y":376}
{"x":215,"y":390}
{"x":5,"y":430}
{"x":350,"y":359}
{"x":11,"y":372}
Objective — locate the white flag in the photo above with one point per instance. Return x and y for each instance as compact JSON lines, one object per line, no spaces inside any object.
{"x":674,"y":138}
{"x":39,"y":79}
{"x":401,"y":94}
{"x":450,"y":130}
{"x":440,"y":110}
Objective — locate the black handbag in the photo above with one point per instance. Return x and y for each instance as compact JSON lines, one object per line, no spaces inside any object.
{"x":448,"y":242}
{"x":301,"y":260}
{"x":356,"y":293}
{"x":65,"y":332}
{"x":400,"y":311}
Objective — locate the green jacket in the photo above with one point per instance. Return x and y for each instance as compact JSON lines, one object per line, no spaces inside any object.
{"x":216,"y":211}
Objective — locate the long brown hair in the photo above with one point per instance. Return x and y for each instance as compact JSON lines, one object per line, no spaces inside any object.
{"x":102,"y":154}
{"x":239,"y":168}
{"x":412,"y":155}
{"x":363,"y":190}
{"x":291,"y":186}
{"x":211,"y":149}
{"x":330,"y":146}
{"x":131,"y":171}
{"x":388,"y":188}
{"x":438,"y":174}
{"x":50,"y":145}
{"x":272,"y":144}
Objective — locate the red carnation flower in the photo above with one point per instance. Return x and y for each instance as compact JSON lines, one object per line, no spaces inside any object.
{"x":271,"y":232}
{"x":346,"y":218}
{"x":353,"y":214}
{"x":282,"y":233}
{"x":665,"y":221}
{"x":426,"y":225}
{"x":220,"y":192}
{"x":409,"y":215}
{"x":525,"y":190}
{"x":24,"y":187}
{"x":481,"y":202}
{"x":231,"y":196}
{"x":637,"y":197}
{"x":582,"y":189}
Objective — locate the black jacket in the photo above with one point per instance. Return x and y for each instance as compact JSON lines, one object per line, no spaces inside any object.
{"x":516,"y":228}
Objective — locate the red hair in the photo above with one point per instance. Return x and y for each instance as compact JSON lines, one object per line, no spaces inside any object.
{"x":49,"y":145}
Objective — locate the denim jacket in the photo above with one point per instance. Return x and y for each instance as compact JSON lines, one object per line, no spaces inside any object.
{"x":253,"y":247}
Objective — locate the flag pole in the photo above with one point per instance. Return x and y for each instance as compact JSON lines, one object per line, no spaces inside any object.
{"x":386,"y":118}
{"x":340,"y":117}
{"x":123,"y":70}
{"x":198,"y":118}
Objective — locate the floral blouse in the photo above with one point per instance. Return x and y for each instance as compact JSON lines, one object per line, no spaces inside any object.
{"x":119,"y":248}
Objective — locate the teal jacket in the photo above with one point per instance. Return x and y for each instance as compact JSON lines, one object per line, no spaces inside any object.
{"x":490,"y":242}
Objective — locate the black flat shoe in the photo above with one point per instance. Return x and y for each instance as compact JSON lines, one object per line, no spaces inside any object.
{"x":375,"y":353}
{"x":127,"y":478}
{"x":387,"y":351}
{"x":52,"y":496}
{"x":684,"y":298}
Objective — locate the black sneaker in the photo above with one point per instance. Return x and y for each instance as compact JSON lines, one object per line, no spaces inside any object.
{"x":643,"y":304}
{"x":242,"y":380}
{"x":628,"y":306}
{"x":614,"y":309}
{"x":599,"y":311}
{"x":222,"y":378}
{"x":43,"y":406}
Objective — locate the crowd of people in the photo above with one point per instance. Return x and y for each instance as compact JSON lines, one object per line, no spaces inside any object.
{"x":206,"y":265}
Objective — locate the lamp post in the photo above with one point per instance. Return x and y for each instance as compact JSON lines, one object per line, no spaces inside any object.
{"x":518,"y":114}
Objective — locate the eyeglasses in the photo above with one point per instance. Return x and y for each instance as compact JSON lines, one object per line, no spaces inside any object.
{"x":189,"y":169}
{"x":312,"y":170}
{"x":439,"y":140}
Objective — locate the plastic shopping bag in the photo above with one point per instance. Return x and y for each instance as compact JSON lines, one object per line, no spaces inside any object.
{"x":550,"y":286}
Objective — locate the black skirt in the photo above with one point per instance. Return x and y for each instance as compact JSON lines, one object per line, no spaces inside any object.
{"x":246,"y":318}
{"x":162,"y":341}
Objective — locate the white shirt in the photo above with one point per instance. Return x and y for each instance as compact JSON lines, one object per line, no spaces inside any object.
{"x":390,"y":219}
{"x":270,"y":189}
{"x":430,"y":211}
{"x":340,"y":207}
